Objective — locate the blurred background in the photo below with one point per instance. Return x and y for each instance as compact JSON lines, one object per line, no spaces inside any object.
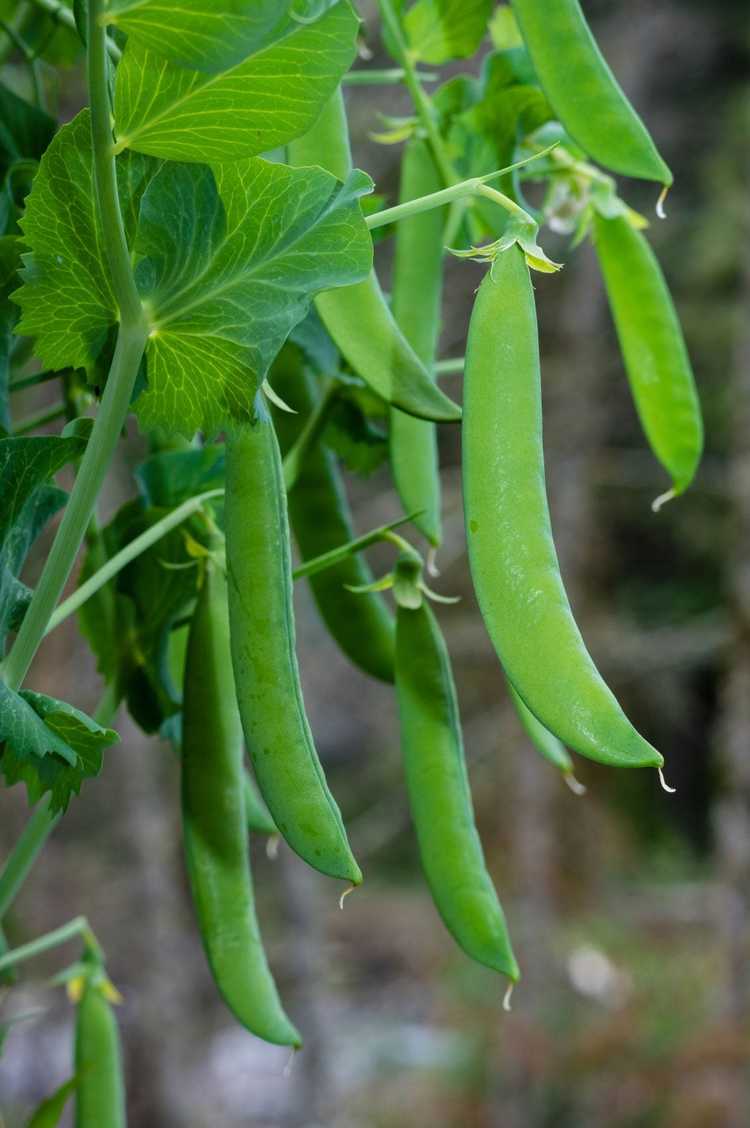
{"x":629,"y":907}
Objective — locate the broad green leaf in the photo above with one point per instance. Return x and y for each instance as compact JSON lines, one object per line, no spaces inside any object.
{"x":440,"y":30}
{"x":26,"y":466}
{"x":49,"y":1113}
{"x":171,"y":477}
{"x":271,"y":97}
{"x":210,"y":35}
{"x":229,"y":261}
{"x":229,"y":272}
{"x":48,"y":745}
{"x":66,"y":298}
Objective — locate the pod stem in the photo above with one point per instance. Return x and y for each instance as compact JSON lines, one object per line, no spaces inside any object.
{"x":79,"y":926}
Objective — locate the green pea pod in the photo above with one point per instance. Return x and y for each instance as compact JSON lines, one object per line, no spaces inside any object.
{"x":511,"y":552}
{"x":582,"y":90}
{"x":653,"y":348}
{"x":543,"y":740}
{"x":417,"y":290}
{"x":358,"y":317}
{"x":321,"y":520}
{"x":261,"y":618}
{"x":439,"y":795}
{"x":257,"y":815}
{"x":214,"y":822}
{"x":100,"y":1092}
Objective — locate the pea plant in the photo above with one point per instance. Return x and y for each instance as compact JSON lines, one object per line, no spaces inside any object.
{"x":196,"y":248}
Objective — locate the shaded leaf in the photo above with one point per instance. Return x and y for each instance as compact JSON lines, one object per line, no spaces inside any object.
{"x":48,"y":745}
{"x":440,"y":30}
{"x":25,"y":130}
{"x":268,"y":99}
{"x":49,"y":1113}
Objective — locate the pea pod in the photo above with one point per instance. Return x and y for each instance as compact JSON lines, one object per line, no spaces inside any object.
{"x":257,"y":815}
{"x":582,"y":90}
{"x":439,"y":795}
{"x":358,"y":317}
{"x":417,"y":289}
{"x":100,"y":1093}
{"x":269,"y":694}
{"x":214,"y":822}
{"x":545,"y":742}
{"x":321,"y":520}
{"x":653,"y":348}
{"x":511,"y":552}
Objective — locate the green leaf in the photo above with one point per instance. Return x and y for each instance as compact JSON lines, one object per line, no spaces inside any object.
{"x":231,"y":265}
{"x":48,"y":745}
{"x":353,"y":437}
{"x":268,"y":99}
{"x":26,"y":465}
{"x":66,"y":297}
{"x":171,"y":477}
{"x":439,"y":30}
{"x":49,"y":1113}
{"x":230,"y":261}
{"x":209,"y":35}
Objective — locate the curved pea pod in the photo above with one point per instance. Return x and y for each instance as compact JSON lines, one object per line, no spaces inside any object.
{"x":261,"y":618}
{"x":582,"y":90}
{"x":100,"y":1092}
{"x":511,"y":552}
{"x":214,"y":822}
{"x":257,"y":815}
{"x":321,"y":520}
{"x":546,"y":743}
{"x":439,"y":795}
{"x":358,"y":317}
{"x":417,"y":290}
{"x":653,"y":348}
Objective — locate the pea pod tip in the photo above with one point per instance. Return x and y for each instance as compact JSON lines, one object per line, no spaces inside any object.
{"x":664,"y":784}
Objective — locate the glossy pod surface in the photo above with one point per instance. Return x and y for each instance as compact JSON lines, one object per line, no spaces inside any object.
{"x":214,"y":823}
{"x":511,"y":552}
{"x":321,"y":520}
{"x":417,"y":290}
{"x":358,"y":317}
{"x":100,"y":1094}
{"x":439,"y":796}
{"x":264,"y":659}
{"x":582,"y":90}
{"x":653,"y":348}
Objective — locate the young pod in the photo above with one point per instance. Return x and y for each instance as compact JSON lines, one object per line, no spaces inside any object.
{"x":358,"y":317}
{"x":653,"y":348}
{"x":439,"y":795}
{"x":582,"y":90}
{"x":214,"y":826}
{"x":417,"y":290}
{"x":100,"y":1092}
{"x":511,"y":551}
{"x":261,"y":617}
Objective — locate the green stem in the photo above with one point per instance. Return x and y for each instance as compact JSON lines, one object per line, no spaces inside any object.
{"x":475,"y":186}
{"x":316,"y":421}
{"x":336,"y":555}
{"x":25,"y":852}
{"x":48,"y":415}
{"x":127,"y":554}
{"x":421,"y":101}
{"x":79,"y":926}
{"x":390,"y":77}
{"x":65,"y":16}
{"x":24,"y":382}
{"x":131,"y":341}
{"x":450,"y":365}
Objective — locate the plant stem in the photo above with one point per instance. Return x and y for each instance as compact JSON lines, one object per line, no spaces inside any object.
{"x":328,"y":559}
{"x":79,"y":926}
{"x":421,"y":101}
{"x":24,"y":382}
{"x":127,"y":554}
{"x":25,"y":852}
{"x":47,"y":415}
{"x":65,"y":16}
{"x":390,"y":77}
{"x":452,"y":364}
{"x":131,"y":341}
{"x":316,"y":421}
